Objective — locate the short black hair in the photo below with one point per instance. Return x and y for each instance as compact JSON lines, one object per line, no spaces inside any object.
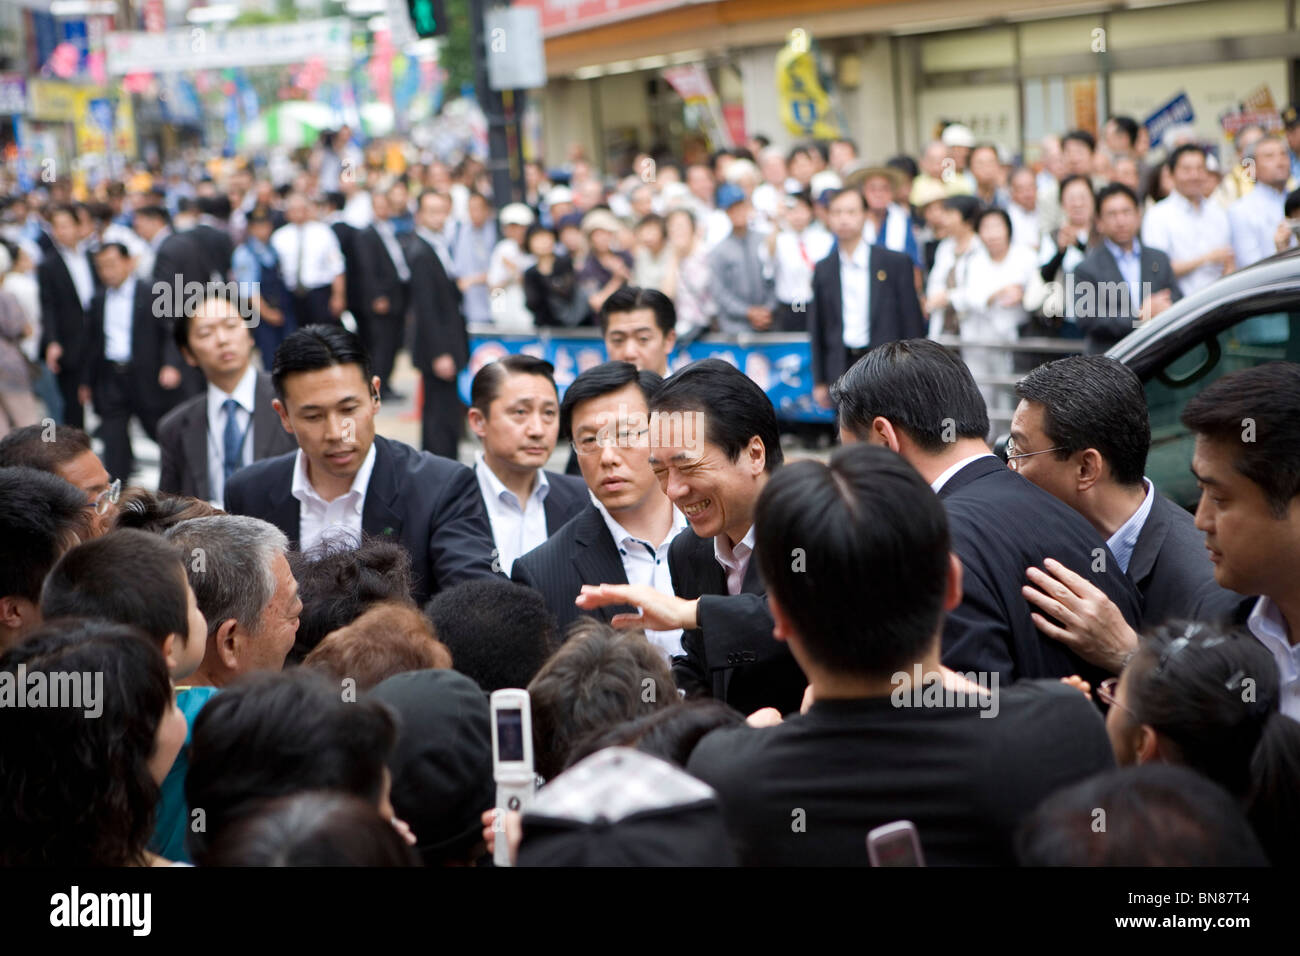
{"x":651,"y":219}
{"x":499,"y":632}
{"x":315,"y":347}
{"x":1091,"y":401}
{"x":117,"y":247}
{"x":1080,"y":136}
{"x":338,"y":584}
{"x":601,"y":380}
{"x":126,"y":576}
{"x":904,"y":164}
{"x":996,"y":212}
{"x":986,"y":146}
{"x":1128,"y":126}
{"x":968,"y":207}
{"x":1155,"y":815}
{"x":1116,"y":189}
{"x":735,"y":409}
{"x":61,"y":209}
{"x":75,"y":789}
{"x":41,"y":516}
{"x":26,"y":447}
{"x":486,"y":386}
{"x":534,"y":230}
{"x":835,"y":194}
{"x":274,"y":734}
{"x":921,"y":387}
{"x":218,"y":206}
{"x":670,"y":734}
{"x":869,"y":541}
{"x":155,"y":212}
{"x":630,"y":298}
{"x":1181,"y":151}
{"x":1070,"y":180}
{"x":1268,"y":398}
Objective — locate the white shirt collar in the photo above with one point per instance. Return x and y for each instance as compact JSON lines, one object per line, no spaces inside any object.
{"x":859,"y":257}
{"x":493,"y":486}
{"x":245,"y":393}
{"x":126,"y":289}
{"x":943,"y":479}
{"x":621,"y":535}
{"x":302,"y":487}
{"x":1124,"y":540}
{"x":1268,"y":625}
{"x":726,"y":553}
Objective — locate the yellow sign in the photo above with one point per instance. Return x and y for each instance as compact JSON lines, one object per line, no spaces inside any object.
{"x":54,"y":102}
{"x":805,"y":105}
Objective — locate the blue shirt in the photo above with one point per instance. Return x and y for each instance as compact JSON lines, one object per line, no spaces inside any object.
{"x":1130,"y":268}
{"x":173,"y":812}
{"x":1125,"y":538}
{"x":1254,"y":219}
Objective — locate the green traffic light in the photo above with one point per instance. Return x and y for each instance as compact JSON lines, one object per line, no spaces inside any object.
{"x":424,"y":19}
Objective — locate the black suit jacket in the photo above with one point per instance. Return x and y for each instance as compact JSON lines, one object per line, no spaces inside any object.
{"x":217,"y":247}
{"x":581,"y":552}
{"x":346,"y":234}
{"x":378,"y":276}
{"x":1001,"y":524}
{"x":183,"y":440}
{"x":148,"y":340}
{"x":1097,"y":278}
{"x":1173,"y":572}
{"x":64,"y":320}
{"x":435,"y":306}
{"x":180,"y":263}
{"x":430,"y":505}
{"x":732,"y":655}
{"x":895,"y":311}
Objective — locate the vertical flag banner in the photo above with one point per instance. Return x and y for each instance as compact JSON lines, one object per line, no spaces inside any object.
{"x":804,"y":103}
{"x":692,"y":84}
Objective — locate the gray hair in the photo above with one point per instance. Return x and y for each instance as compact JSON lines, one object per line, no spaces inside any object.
{"x":228,"y":561}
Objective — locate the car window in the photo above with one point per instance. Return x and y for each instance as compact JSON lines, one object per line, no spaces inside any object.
{"x":1250,"y":341}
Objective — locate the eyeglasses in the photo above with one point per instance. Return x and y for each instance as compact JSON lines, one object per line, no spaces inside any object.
{"x":591,"y":444}
{"x":1106,"y":691}
{"x":107,"y":498}
{"x":1013,"y":457}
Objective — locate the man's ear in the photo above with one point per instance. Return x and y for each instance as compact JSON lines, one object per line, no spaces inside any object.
{"x":952,"y":592}
{"x":757,"y":453}
{"x":17,"y":615}
{"x":477,"y":422}
{"x":283,"y":413}
{"x":883,"y":433}
{"x":171,"y":644}
{"x":670,"y":341}
{"x":1148,"y":745}
{"x":1089,"y":469}
{"x":227,"y":641}
{"x":782,"y":626}
{"x":189,"y":357}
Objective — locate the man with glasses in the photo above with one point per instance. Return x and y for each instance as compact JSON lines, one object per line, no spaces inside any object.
{"x":623,"y":538}
{"x":515,"y":412}
{"x":65,"y":451}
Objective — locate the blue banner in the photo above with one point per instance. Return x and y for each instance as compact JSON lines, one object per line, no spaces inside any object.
{"x":1174,"y":113}
{"x":780,"y":364}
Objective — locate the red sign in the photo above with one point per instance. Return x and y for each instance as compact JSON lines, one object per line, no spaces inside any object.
{"x":155,"y":16}
{"x":569,"y":16}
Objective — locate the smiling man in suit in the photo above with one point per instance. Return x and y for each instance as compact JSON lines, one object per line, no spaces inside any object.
{"x":345,"y":481}
{"x":625,"y":537}
{"x":515,"y":412}
{"x":862,"y":296}
{"x":1121,"y":283}
{"x":205,"y":440}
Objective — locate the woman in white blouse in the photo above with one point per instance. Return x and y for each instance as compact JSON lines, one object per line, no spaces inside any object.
{"x":957,"y":248}
{"x":1003,"y":285}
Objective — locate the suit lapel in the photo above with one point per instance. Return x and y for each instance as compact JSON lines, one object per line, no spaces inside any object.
{"x":1150,"y":539}
{"x":379,"y":517}
{"x":875,"y":287}
{"x":550,"y":505}
{"x":194,"y":439}
{"x":835,"y":319}
{"x":596,"y":556}
{"x":285,"y":510}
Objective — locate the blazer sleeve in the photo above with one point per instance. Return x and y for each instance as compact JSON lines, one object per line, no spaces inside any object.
{"x":170,"y":457}
{"x":912,"y":321}
{"x":976,"y":636}
{"x":460,"y":536}
{"x":94,"y":341}
{"x":816,"y":330}
{"x":1089,"y":315}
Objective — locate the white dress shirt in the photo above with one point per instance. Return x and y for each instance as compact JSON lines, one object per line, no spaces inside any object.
{"x":320,"y":257}
{"x":793,"y":260}
{"x":643,"y":563}
{"x":1025,"y":230}
{"x":1269,"y":627}
{"x":1125,"y":538}
{"x":1183,"y":231}
{"x":855,"y":297}
{"x":335,"y":521}
{"x":119,"y":306}
{"x":517,"y":527}
{"x":440,"y":245}
{"x":389,"y":238}
{"x":245,"y":394}
{"x":734,"y":560}
{"x":943,"y":479}
{"x":79,"y":268}
{"x":1254,"y":221}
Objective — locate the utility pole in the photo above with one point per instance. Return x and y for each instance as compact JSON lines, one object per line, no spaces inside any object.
{"x":490,"y":101}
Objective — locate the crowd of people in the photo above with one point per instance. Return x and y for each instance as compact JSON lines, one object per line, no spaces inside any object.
{"x":283,"y":654}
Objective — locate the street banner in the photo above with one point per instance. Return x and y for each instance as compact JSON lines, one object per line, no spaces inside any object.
{"x":1174,"y":113}
{"x":13,"y":94}
{"x":781,"y":364}
{"x":691,"y":82}
{"x":205,"y":49}
{"x":804,"y":104}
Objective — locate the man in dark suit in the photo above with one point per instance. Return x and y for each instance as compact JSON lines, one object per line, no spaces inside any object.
{"x":441,"y":347}
{"x":213,"y":233}
{"x":67,"y":284}
{"x":1121,"y":282}
{"x":863,"y":296}
{"x":1082,"y":432}
{"x":122,"y":358}
{"x":346,"y":234}
{"x":385,"y":288}
{"x":919,"y":399}
{"x":714,"y":445}
{"x":344,"y":481}
{"x":233,"y":423}
{"x":625,"y":537}
{"x":515,"y":412}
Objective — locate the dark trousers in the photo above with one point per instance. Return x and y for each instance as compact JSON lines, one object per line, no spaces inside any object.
{"x":73,"y":412}
{"x":122,"y":393}
{"x":385,"y":333}
{"x":268,"y":337}
{"x":312,"y":307}
{"x":786,"y":318}
{"x":443,"y":417}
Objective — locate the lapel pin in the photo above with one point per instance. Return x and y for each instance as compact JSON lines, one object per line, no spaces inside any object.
{"x":880,"y":276}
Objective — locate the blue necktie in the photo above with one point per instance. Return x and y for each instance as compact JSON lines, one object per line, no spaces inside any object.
{"x":232,"y":439}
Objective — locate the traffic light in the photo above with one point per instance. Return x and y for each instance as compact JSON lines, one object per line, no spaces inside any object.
{"x":428,"y":17}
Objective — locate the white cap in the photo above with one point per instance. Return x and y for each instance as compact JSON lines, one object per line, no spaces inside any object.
{"x":559,"y":194}
{"x":826,"y":179}
{"x":958,"y":135}
{"x":516,"y":214}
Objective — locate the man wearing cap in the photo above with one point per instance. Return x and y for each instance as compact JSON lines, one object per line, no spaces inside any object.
{"x":960,"y":141}
{"x":937,"y":170}
{"x":506,"y":270}
{"x":559,"y":203}
{"x":744,"y":295}
{"x":606,"y":269}
{"x":886,"y":224}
